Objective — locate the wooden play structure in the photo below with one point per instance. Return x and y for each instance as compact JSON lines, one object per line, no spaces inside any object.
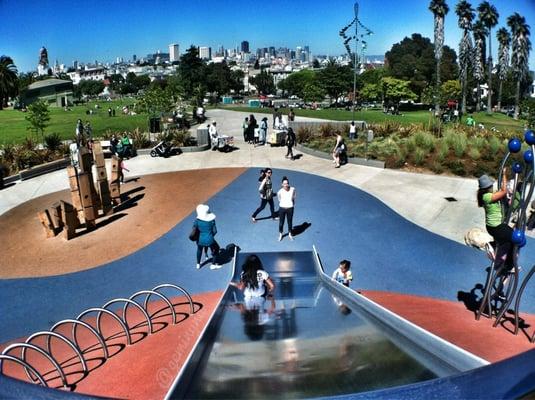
{"x":91,"y":198}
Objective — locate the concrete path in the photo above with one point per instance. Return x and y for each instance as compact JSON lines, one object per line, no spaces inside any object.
{"x":420,"y":198}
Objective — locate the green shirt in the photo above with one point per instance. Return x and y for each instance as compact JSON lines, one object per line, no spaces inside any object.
{"x":493,"y":211}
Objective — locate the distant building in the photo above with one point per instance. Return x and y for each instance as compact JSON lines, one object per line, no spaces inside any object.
{"x":174,"y":52}
{"x":205,"y":53}
{"x":245,"y":46}
{"x":94,"y":74}
{"x":55,"y":92}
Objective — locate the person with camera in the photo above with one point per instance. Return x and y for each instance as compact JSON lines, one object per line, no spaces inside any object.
{"x":266,"y":193}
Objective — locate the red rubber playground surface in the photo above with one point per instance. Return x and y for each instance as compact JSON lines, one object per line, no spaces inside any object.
{"x":425,"y":278}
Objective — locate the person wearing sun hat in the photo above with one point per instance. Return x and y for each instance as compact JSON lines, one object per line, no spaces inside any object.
{"x":205,"y":222}
{"x":491,"y":202}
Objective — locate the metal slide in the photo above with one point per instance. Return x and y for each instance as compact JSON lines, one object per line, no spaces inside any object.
{"x":316,"y":338}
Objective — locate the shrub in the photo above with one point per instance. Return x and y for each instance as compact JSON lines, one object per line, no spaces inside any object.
{"x":304,"y":134}
{"x":442,"y":150}
{"x":424,"y":140}
{"x":437,"y":167}
{"x":456,"y":167}
{"x":53,"y":141}
{"x":474,"y":153}
{"x":419,"y":156}
{"x":141,"y":139}
{"x":478,"y":143}
{"x":399,"y":157}
{"x":494,"y":146}
{"x":459,"y":143}
{"x":326,"y":130}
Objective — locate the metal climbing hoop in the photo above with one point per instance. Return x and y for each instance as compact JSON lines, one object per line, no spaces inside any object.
{"x":145,"y":303}
{"x":24,"y":364}
{"x":122,"y":300}
{"x":180,"y":289}
{"x":75,"y":323}
{"x":113,"y":315}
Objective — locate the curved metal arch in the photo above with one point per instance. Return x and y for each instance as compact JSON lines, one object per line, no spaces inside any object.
{"x":123,"y":300}
{"x":146,"y":302}
{"x":180,"y":289}
{"x":24,"y":364}
{"x":113,"y":315}
{"x":45,"y":354}
{"x":519,"y":298}
{"x":509,"y":296}
{"x":63,"y":338}
{"x":75,"y":323}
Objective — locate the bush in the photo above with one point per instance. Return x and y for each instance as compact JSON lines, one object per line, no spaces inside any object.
{"x":474,"y":153}
{"x":53,"y":141}
{"x":424,"y":140}
{"x":456,"y":167}
{"x":141,"y":139}
{"x":304,"y":134}
{"x":326,"y":130}
{"x":419,"y":156}
{"x":437,"y":167}
{"x":494,"y":146}
{"x":443,"y":150}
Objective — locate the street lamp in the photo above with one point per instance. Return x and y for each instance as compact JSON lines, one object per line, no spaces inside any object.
{"x":356,"y":8}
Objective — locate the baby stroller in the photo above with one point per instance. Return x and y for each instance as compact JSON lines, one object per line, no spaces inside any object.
{"x":162,"y":149}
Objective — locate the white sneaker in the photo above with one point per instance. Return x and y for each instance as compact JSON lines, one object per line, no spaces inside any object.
{"x":215,"y":266}
{"x":198,"y":266}
{"x":280,"y":237}
{"x":290,"y":236}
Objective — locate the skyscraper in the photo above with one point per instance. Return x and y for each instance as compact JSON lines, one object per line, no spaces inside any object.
{"x":174,"y":52}
{"x":205,"y":53}
{"x":245,"y":46}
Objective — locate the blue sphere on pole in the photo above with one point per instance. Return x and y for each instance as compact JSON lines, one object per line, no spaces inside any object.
{"x":514,"y":145}
{"x":517,"y":167}
{"x":528,"y":156}
{"x":523,"y":243}
{"x":529,"y":137}
{"x":518,"y":236}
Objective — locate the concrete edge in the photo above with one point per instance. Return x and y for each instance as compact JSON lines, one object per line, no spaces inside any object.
{"x":351,"y":160}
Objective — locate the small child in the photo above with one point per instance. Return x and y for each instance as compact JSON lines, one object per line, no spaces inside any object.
{"x":343,"y":274}
{"x":121,"y":169}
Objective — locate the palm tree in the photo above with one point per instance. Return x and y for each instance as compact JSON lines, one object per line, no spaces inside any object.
{"x":521,"y":46}
{"x":439,"y":8}
{"x":480,"y":34}
{"x":488,"y":15}
{"x":465,"y":12}
{"x":504,"y":40}
{"x":8,"y":80}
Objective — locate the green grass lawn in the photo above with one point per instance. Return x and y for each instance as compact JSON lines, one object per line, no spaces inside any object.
{"x":13,"y":125}
{"x":498,"y":120}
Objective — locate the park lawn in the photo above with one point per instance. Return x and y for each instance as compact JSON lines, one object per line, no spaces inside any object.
{"x":13,"y":125}
{"x":500,"y":121}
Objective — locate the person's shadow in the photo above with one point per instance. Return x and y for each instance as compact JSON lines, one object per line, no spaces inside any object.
{"x":226,"y":255}
{"x":298,"y":229}
{"x":470,"y":299}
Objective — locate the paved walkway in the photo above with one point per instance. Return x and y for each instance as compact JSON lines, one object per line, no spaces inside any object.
{"x":420,"y":198}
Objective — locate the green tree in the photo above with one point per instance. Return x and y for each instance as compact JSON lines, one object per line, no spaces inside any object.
{"x":336,"y":80}
{"x":466,"y":15}
{"x":236,"y":80}
{"x":38,"y":116}
{"x":316,"y":64}
{"x":155,"y":101}
{"x":191,"y":71}
{"x":520,"y":53}
{"x":439,"y":8}
{"x":263,"y":82}
{"x":394,"y":90}
{"x":413,"y":59}
{"x":488,"y":15}
{"x":90,"y":87}
{"x":504,"y":42}
{"x":8,"y":80}
{"x":370,"y":91}
{"x":313,"y":92}
{"x":450,"y":90}
{"x":295,"y":83}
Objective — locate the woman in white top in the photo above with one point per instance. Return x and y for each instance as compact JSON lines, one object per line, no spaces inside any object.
{"x":254,"y":281}
{"x":286,"y":197}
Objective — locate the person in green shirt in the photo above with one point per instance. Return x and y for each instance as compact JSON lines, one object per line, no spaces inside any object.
{"x":490,"y":201}
{"x":470,"y":121}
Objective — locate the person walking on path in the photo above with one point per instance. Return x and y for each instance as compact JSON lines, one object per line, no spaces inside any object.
{"x":290,"y":142}
{"x":205,"y":223}
{"x":245,"y":127}
{"x":352,"y":131}
{"x":262,"y":134}
{"x":266,"y":193}
{"x":286,"y":197}
{"x":122,"y":167}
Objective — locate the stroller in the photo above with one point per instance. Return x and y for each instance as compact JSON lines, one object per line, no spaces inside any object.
{"x":162,"y":149}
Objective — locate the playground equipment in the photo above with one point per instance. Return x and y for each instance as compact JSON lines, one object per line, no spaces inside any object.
{"x":502,"y":283}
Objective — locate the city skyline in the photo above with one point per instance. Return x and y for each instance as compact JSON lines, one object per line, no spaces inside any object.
{"x":109,"y":30}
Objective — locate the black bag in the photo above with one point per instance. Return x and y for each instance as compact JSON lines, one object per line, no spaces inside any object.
{"x":194,"y":235}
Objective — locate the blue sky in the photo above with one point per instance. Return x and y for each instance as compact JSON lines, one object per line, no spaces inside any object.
{"x":103,"y":30}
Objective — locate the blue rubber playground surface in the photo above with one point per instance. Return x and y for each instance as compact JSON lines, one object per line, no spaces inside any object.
{"x":388,"y":253}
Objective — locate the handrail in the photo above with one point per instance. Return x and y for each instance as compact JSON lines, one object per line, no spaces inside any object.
{"x":145,"y":303}
{"x":75,"y":323}
{"x":43,"y":353}
{"x":24,"y":364}
{"x":121,"y":300}
{"x":64,"y":339}
{"x":179,"y":288}
{"x":113,"y":315}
